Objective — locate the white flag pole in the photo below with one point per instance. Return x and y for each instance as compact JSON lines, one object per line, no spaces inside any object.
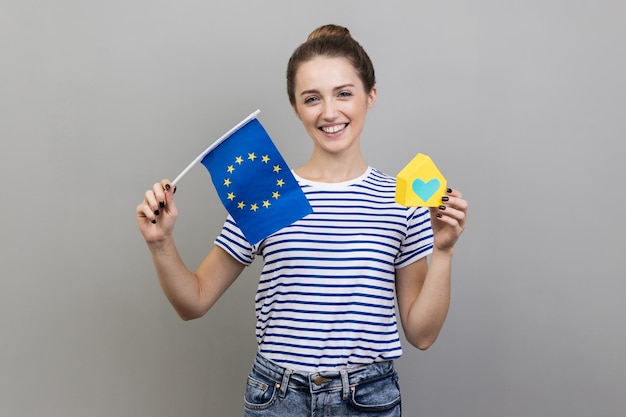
{"x":215,"y":144}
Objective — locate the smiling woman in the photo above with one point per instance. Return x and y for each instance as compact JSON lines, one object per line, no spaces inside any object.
{"x":332,"y":103}
{"x":327,"y":330}
{"x":331,"y":84}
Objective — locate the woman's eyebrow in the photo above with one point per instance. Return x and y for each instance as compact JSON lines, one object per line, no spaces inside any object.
{"x":315,"y":91}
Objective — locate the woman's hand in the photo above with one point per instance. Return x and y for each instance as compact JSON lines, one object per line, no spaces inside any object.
{"x":156,"y":215}
{"x":448,"y":220}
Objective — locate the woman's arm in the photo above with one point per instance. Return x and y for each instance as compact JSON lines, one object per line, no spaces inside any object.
{"x":424,"y":298}
{"x":191,"y":294}
{"x":423,"y":291}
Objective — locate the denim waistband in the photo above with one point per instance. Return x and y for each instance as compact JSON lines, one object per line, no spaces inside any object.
{"x":344,"y":380}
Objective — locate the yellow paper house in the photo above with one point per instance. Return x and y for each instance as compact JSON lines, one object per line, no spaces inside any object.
{"x":420,"y":183}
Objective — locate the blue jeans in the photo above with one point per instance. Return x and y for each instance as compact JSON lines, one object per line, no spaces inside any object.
{"x":274,"y":391}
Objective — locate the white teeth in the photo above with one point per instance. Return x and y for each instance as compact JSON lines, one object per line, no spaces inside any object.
{"x":334,"y":129}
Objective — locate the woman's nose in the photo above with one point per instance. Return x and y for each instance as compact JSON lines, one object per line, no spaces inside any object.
{"x":330,"y":110}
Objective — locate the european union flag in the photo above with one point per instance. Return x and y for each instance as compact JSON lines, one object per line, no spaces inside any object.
{"x":254,"y":183}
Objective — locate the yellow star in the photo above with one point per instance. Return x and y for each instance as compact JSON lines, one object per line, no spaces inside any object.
{"x":277,"y":168}
{"x":266,"y":204}
{"x":239,"y":160}
{"x":231,"y":196}
{"x":275,"y":195}
{"x":230,"y":169}
{"x":251,"y":156}
{"x":227,"y":182}
{"x":265,"y":158}
{"x":254,"y":207}
{"x":241,"y":205}
{"x":280,"y":182}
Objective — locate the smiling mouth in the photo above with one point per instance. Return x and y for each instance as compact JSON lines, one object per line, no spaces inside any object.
{"x":333,"y":129}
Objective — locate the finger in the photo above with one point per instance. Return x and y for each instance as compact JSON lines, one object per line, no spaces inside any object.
{"x":153,"y":197}
{"x":450,"y":215}
{"x":145,"y":211}
{"x":450,"y":194}
{"x":453,"y":193}
{"x":444,"y":218}
{"x":457,"y":203}
{"x":169,"y":190}
{"x":166,"y":185}
{"x":159,"y":190}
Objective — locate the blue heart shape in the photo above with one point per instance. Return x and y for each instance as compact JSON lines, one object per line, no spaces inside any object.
{"x":425,"y":190}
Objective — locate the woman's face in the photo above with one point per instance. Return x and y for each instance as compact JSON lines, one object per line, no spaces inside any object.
{"x":332,"y":103}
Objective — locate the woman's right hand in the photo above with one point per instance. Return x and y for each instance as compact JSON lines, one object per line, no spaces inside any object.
{"x":156,"y":215}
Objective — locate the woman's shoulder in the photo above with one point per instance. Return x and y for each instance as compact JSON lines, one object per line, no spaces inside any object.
{"x":378,"y":176}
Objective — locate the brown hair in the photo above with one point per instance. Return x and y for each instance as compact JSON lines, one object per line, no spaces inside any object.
{"x":332,"y":41}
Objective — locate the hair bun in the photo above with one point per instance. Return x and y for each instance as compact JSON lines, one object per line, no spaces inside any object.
{"x":329,"y":30}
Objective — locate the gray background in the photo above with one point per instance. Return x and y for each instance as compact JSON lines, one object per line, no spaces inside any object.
{"x":520,"y":103}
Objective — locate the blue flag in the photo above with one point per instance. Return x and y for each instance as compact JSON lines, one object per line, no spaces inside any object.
{"x":254,"y":183}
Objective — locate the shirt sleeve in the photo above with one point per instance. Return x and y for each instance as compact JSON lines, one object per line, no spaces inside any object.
{"x":232,"y":240}
{"x":419,"y":237}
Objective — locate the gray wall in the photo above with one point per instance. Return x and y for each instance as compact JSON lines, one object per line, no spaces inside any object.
{"x":521,"y":104}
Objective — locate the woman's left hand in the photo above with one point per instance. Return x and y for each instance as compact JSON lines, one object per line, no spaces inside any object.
{"x":448,"y":220}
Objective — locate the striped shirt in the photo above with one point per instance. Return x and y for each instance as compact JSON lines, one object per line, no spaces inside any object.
{"x":326,"y":295}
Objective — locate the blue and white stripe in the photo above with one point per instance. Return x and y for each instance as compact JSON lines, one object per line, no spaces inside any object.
{"x":326,"y":295}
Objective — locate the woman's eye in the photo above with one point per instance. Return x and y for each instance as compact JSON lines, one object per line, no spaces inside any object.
{"x":345,"y":94}
{"x":310,"y":100}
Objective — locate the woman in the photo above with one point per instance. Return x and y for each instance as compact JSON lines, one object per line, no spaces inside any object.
{"x":326,"y":322}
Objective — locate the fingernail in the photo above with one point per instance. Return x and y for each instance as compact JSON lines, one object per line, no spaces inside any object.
{"x":445,"y":198}
{"x":167,"y":187}
{"x":442,"y":207}
{"x":448,"y":190}
{"x":174,"y":192}
{"x":161,"y":204}
{"x":156,"y":212}
{"x":439,"y":215}
{"x":153,"y":221}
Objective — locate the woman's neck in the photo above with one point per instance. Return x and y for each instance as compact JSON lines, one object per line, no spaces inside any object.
{"x":332,"y":169}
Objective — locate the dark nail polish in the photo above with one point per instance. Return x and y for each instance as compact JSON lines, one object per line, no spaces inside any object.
{"x":161,"y":204}
{"x":442,"y":207}
{"x":445,"y":198}
{"x":448,"y":190}
{"x":174,"y":192}
{"x":153,"y":221}
{"x":156,"y":212}
{"x":439,"y":215}
{"x":167,"y":187}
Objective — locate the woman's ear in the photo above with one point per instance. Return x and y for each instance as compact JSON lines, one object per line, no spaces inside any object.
{"x":371,"y":97}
